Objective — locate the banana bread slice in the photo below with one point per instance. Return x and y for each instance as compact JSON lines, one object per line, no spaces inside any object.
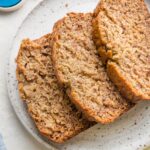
{"x":122,"y":34}
{"x":50,"y":108}
{"x":77,"y":66}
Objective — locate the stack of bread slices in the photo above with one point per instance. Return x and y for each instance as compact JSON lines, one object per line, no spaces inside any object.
{"x":92,"y":68}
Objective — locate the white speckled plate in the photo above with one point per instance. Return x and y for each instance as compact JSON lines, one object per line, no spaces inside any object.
{"x":130,"y":132}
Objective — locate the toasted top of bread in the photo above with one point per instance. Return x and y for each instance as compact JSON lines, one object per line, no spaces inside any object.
{"x":122,"y":33}
{"x":50,"y":108}
{"x":77,"y":66}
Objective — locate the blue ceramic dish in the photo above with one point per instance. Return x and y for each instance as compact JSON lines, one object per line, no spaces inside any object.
{"x":9,"y":3}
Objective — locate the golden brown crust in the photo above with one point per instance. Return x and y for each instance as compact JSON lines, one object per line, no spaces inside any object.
{"x":123,"y":42}
{"x":91,"y":115}
{"x":125,"y":87}
{"x":54,"y":115}
{"x":69,"y":83}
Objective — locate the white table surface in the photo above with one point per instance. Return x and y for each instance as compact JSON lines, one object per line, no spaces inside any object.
{"x":14,"y":135}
